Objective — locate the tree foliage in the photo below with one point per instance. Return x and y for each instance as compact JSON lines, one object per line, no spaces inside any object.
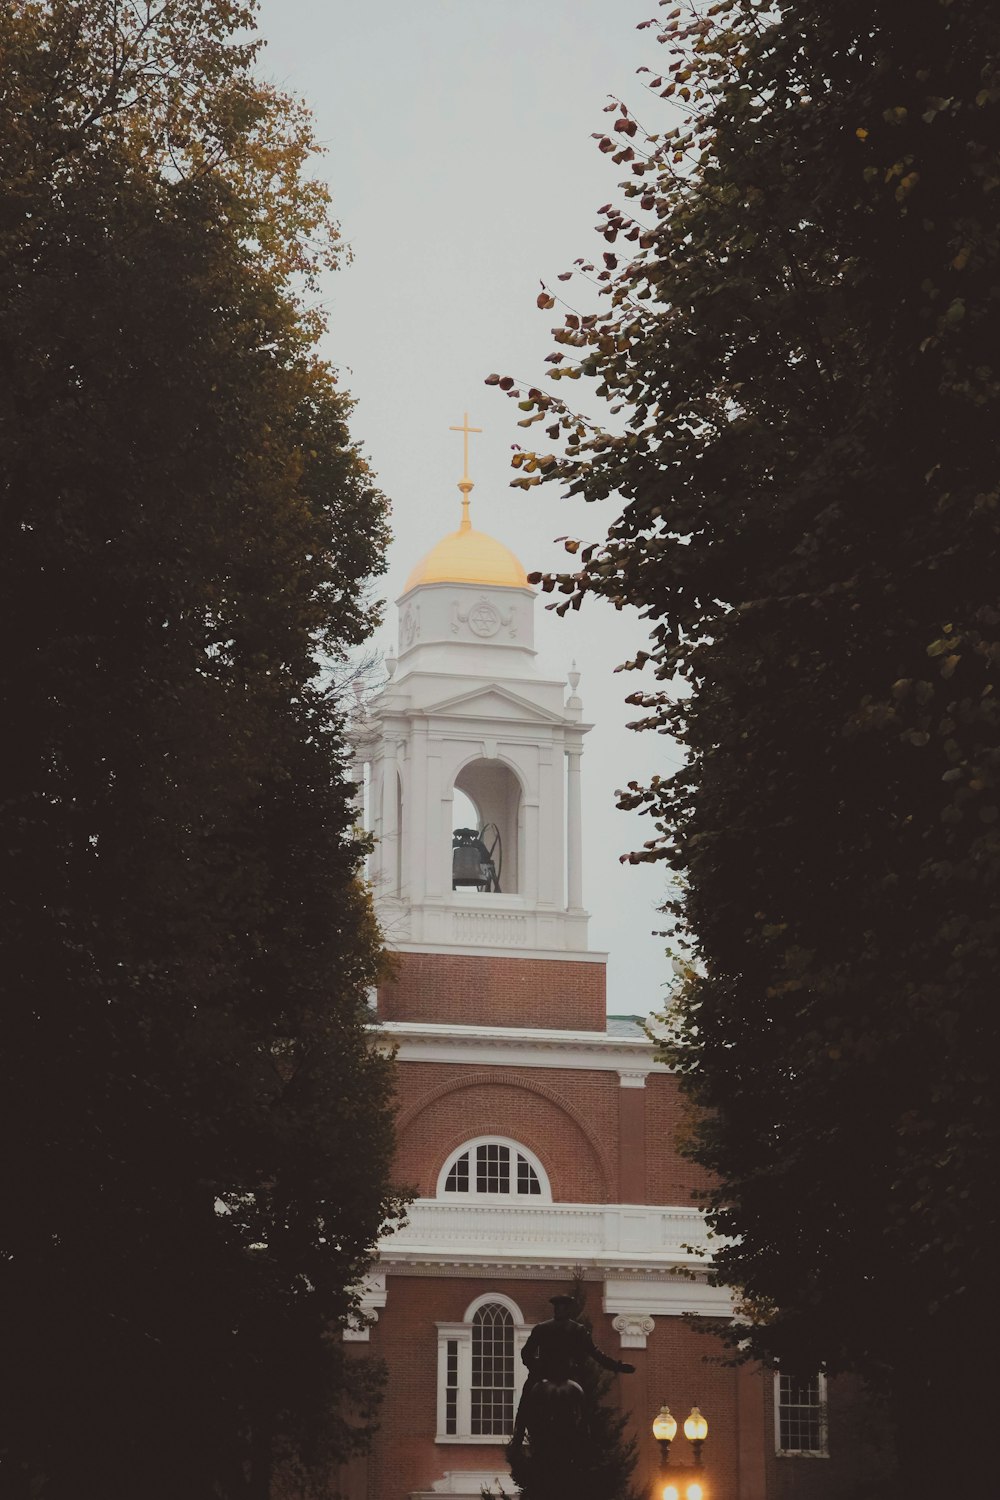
{"x":799,"y":349}
{"x":197,"y":1133}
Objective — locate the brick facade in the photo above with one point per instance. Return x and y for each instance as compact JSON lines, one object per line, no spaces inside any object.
{"x":470,"y":990}
{"x":590,"y":1133}
{"x":679,"y":1365}
{"x":406,"y":1456}
{"x":600,"y":1143}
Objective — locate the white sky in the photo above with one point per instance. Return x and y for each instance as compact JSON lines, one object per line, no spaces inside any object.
{"x":459,"y":154}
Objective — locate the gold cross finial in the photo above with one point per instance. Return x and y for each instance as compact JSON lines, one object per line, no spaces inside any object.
{"x":465,"y":483}
{"x":465,"y":429}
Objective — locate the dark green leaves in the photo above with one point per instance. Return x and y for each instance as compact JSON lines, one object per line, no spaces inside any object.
{"x":802,"y":348}
{"x":197,"y":1133}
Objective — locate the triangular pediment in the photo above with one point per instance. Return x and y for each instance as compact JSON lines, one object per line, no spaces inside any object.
{"x":492,"y":701}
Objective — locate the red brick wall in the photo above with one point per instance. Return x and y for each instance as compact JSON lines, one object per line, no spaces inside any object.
{"x":598,"y":1142}
{"x":678,"y":1366}
{"x":673,"y":1367}
{"x":669,"y":1177}
{"x":406,"y":1457}
{"x":474,"y":990}
{"x":567,"y":1118}
{"x":632,"y":1171}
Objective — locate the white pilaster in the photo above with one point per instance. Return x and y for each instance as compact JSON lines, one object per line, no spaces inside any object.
{"x":574,"y":831}
{"x":417,"y":815}
{"x":531,"y":836}
{"x":390,"y":823}
{"x":551,"y":832}
{"x":438,"y":838}
{"x":445,"y":851}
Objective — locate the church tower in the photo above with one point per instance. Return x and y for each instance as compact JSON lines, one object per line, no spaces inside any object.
{"x":467,"y":720}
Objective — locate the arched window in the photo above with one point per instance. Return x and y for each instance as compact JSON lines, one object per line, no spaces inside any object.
{"x":492,"y":1167}
{"x":480,"y":1374}
{"x":492,"y":1371}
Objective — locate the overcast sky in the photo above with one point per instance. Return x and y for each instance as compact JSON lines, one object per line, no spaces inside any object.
{"x":460,"y":158}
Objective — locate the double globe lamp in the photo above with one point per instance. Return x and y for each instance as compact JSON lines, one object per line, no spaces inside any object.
{"x":664,"y":1431}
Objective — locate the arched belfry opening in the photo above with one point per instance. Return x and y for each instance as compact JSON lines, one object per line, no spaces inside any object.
{"x":489,"y":862}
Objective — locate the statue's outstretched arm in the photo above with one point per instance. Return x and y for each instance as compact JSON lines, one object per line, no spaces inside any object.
{"x":619,"y":1366}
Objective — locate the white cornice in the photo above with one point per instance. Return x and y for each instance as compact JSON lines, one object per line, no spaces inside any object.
{"x":482,"y":950}
{"x":647,"y":1297}
{"x":448,"y":585}
{"x":526,"y":712}
{"x":522,"y":1047}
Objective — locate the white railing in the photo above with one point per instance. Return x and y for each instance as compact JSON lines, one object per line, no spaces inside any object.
{"x":639,"y":1235}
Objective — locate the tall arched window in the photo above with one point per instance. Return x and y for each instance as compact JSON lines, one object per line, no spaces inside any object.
{"x":492,"y":1167}
{"x":480,"y":1373}
{"x":492,"y":1371}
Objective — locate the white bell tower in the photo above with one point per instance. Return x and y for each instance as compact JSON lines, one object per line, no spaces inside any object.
{"x":466,"y":710}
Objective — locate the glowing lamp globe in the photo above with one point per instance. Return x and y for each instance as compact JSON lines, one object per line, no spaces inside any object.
{"x":696,"y":1428}
{"x":664,"y":1425}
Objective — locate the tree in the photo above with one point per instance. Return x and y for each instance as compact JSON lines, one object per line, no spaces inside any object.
{"x":601,"y":1461}
{"x":801,"y":339}
{"x":198,"y":1133}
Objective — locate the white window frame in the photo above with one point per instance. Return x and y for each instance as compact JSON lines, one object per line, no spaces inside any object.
{"x":545,"y":1196}
{"x":823,"y":1451}
{"x":461,"y":1334}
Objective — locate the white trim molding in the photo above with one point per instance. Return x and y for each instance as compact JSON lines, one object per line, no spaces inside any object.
{"x":638,"y":1296}
{"x":631,"y":1057}
{"x":494,"y":950}
{"x":632,"y":1078}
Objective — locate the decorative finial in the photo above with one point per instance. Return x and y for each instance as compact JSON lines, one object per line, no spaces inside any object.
{"x":390,"y":662}
{"x":573,"y":678}
{"x":465,"y":483}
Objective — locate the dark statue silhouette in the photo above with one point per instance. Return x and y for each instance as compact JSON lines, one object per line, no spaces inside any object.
{"x":551,"y":1410}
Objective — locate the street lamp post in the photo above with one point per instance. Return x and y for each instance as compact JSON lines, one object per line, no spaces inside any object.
{"x":664,"y":1431}
{"x":696,"y":1431}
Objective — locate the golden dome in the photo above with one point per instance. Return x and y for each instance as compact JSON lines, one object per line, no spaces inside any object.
{"x":469,"y":556}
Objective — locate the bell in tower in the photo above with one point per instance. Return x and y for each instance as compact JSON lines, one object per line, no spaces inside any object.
{"x":476,"y":859}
